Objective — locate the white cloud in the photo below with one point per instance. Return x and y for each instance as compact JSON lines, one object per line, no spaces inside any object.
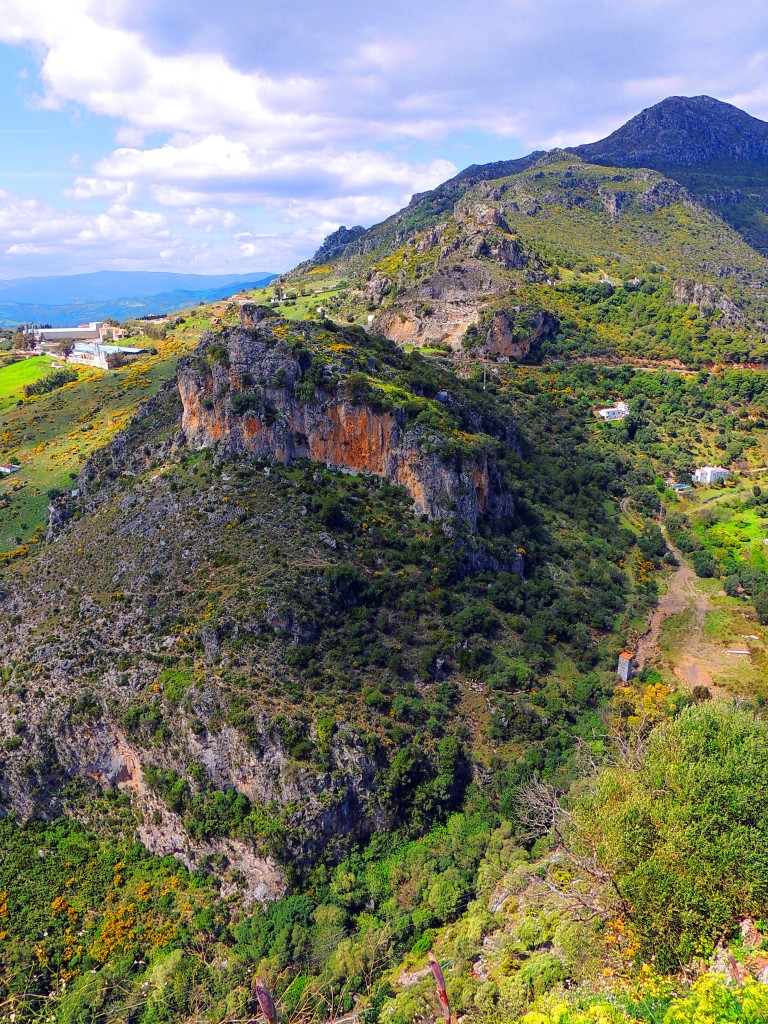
{"x":234,"y":172}
{"x":208,"y":216}
{"x":99,"y":188}
{"x":31,"y":229}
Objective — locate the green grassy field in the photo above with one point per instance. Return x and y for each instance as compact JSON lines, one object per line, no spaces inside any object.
{"x":14,"y":376}
{"x":730,"y":523}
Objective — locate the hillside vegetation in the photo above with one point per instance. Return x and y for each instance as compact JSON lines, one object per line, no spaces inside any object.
{"x":625,"y":260}
{"x":311,"y":620}
{"x":52,"y":434}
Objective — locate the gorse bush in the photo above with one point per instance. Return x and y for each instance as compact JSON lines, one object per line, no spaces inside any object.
{"x":710,"y":1001}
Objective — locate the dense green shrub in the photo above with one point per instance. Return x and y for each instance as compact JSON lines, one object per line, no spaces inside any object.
{"x":684,"y":838}
{"x":51,"y":381}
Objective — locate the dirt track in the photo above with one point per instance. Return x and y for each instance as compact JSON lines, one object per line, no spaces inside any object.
{"x":682,"y":594}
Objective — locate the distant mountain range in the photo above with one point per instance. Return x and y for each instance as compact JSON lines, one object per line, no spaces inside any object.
{"x":79,"y":298}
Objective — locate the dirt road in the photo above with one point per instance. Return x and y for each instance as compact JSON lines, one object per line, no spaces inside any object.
{"x":682,"y":594}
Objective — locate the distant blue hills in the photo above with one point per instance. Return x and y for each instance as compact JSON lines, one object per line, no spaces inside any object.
{"x":80,"y":298}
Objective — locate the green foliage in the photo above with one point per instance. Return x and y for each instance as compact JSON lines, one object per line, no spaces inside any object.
{"x":712,"y":999}
{"x":243,"y":402}
{"x":51,"y":381}
{"x":92,"y":910}
{"x":685,"y":837}
{"x":217,"y":353}
{"x":703,"y":564}
{"x":760,"y":604}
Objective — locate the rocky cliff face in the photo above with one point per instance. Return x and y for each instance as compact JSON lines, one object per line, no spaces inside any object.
{"x":65,"y":742}
{"x":82,"y":676}
{"x":472,"y":257}
{"x":143,"y":645}
{"x":335,"y":243}
{"x":253,"y":399}
{"x":511,"y":336}
{"x":708,"y":299}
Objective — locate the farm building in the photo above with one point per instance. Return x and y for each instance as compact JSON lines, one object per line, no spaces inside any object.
{"x":624,"y":667}
{"x":97,"y":331}
{"x":105,"y":357}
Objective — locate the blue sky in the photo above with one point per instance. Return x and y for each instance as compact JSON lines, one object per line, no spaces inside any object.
{"x":233,"y":136}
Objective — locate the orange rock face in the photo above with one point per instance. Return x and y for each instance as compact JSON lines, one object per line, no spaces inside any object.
{"x":332,"y":430}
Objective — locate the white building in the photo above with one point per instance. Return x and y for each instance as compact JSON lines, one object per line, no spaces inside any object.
{"x":616,"y":412}
{"x":105,"y":357}
{"x":95,"y":331}
{"x":624,"y":667}
{"x":710,"y":474}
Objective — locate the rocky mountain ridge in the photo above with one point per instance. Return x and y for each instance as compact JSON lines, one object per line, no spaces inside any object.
{"x":719,"y":152}
{"x":679,"y":131}
{"x":488,"y":279}
{"x":333,"y":623}
{"x":142,"y":684}
{"x":95,"y":665}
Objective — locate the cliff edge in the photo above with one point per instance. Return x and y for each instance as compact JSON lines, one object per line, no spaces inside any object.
{"x":279,"y":391}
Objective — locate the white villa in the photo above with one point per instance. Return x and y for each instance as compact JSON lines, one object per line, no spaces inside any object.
{"x":616,"y":412}
{"x":91,"y":344}
{"x":710,"y":474}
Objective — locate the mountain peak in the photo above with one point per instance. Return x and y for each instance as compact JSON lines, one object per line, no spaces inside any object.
{"x":682,"y":131}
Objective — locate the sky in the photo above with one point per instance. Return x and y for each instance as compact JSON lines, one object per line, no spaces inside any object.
{"x":233,"y":136}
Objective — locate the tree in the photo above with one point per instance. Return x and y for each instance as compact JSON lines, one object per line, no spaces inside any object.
{"x":682,"y":832}
{"x":760,"y":603}
{"x":704,"y":564}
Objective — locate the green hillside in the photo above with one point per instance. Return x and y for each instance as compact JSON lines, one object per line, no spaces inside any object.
{"x":315,"y":673}
{"x":51,"y":435}
{"x":718,"y":152}
{"x":561,"y":236}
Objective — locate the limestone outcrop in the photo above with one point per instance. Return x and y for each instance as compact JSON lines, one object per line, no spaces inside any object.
{"x":687,"y":292}
{"x":249,"y":394}
{"x":512,"y":335}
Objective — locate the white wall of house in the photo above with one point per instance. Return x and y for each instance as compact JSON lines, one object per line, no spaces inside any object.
{"x":710,"y":474}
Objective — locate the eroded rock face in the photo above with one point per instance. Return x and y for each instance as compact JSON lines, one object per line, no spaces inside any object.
{"x":707,"y":298}
{"x":506,"y":339}
{"x":471,"y":267}
{"x":377,"y":288}
{"x":444,"y":321}
{"x":66,"y":740}
{"x":335,"y":243}
{"x":247,"y":403}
